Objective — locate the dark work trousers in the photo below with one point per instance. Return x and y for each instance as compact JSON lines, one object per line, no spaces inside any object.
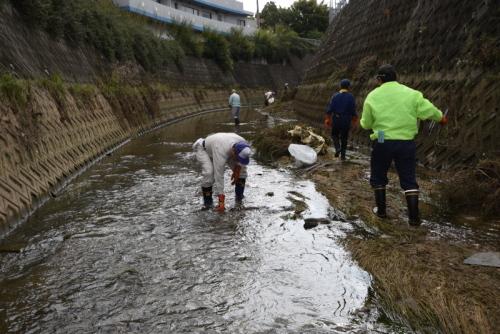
{"x":340,"y":134}
{"x":403,"y":153}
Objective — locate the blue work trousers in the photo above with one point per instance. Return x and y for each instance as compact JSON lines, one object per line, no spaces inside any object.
{"x":340,"y":136}
{"x":340,"y":132}
{"x":403,"y":152}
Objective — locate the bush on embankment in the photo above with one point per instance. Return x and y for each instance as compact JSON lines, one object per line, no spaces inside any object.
{"x":14,"y":91}
{"x":115,"y":35}
{"x":121,"y":36}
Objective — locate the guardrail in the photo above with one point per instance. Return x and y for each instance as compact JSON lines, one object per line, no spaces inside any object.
{"x":166,"y":14}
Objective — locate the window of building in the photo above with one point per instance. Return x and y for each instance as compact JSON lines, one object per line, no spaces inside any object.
{"x":176,"y":6}
{"x":208,"y":15}
{"x":241,"y":23}
{"x":219,"y":17}
{"x":193,"y":11}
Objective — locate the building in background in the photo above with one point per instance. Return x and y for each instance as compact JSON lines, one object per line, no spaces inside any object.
{"x":219,"y":15}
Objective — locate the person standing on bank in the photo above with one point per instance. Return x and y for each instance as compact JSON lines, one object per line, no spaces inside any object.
{"x":235,"y":105}
{"x":340,"y":113}
{"x":392,"y":111}
{"x":213,"y":153}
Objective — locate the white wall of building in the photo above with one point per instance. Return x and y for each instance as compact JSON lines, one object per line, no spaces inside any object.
{"x":199,"y":17}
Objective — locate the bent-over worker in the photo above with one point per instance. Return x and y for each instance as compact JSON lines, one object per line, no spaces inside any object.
{"x":213,"y":153}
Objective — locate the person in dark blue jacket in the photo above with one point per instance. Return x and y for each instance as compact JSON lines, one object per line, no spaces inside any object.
{"x":341,"y":112}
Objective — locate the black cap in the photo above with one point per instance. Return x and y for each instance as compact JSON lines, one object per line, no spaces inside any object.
{"x":344,"y":83}
{"x":387,"y":73}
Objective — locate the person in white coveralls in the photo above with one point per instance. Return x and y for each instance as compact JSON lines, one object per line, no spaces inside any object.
{"x":213,"y":153}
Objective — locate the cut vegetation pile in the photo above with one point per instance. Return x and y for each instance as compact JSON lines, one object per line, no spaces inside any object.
{"x":474,"y":190}
{"x":272,"y":144}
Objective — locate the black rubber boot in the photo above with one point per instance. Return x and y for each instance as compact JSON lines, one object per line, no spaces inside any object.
{"x":412,"y":202}
{"x":379,"y":210}
{"x":208,"y":200}
{"x":239,"y":189}
{"x":236,"y":121}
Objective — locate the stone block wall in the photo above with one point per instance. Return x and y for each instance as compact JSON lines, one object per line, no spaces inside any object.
{"x":449,"y":50}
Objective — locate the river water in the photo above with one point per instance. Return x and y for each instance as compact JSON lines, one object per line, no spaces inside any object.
{"x":125,"y":248}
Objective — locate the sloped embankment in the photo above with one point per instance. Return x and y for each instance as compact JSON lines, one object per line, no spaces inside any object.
{"x":447,"y":49}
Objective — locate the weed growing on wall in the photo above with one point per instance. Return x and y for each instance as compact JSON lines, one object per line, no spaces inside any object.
{"x":82,"y":93}
{"x":15,"y":91}
{"x":55,"y":86}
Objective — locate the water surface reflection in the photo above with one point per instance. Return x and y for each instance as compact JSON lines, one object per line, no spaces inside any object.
{"x":126,"y":249}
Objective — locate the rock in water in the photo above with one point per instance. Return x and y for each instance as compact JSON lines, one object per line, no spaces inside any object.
{"x":313,"y":222}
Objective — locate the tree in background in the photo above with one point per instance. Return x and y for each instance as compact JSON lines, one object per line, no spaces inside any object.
{"x":241,"y":47}
{"x":271,"y":16}
{"x":306,"y":17}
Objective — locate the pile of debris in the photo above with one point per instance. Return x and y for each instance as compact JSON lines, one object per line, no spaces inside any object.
{"x":274,"y":143}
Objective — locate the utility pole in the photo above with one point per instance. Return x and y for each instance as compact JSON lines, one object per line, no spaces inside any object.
{"x":257,"y":15}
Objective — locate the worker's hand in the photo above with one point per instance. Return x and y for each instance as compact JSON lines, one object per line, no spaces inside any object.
{"x":355,"y":122}
{"x":236,"y":174}
{"x":444,"y":120}
{"x":328,"y":121}
{"x":221,"y":206}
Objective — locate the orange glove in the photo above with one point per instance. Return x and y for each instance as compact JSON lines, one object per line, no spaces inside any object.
{"x":355,"y":121}
{"x":221,"y":207}
{"x":236,"y":174}
{"x":328,"y":121}
{"x":444,"y":120}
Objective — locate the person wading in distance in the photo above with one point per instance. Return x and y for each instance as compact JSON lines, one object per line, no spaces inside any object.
{"x":235,"y":105}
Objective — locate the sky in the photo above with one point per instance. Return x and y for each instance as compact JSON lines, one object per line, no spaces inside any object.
{"x":251,"y":5}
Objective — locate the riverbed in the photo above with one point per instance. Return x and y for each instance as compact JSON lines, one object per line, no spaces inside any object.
{"x":125,"y":248}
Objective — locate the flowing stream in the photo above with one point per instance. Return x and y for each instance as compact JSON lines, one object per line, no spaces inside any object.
{"x":125,"y":249}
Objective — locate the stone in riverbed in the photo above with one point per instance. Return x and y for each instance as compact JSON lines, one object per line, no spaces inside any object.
{"x":313,"y":222}
{"x":490,"y":259}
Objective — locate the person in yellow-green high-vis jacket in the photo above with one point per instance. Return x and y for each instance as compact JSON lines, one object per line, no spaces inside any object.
{"x":392,"y":111}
